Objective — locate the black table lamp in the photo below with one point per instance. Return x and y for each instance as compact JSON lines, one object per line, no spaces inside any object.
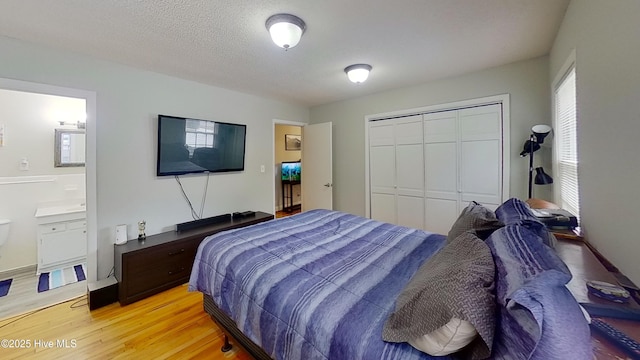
{"x":538,"y":133}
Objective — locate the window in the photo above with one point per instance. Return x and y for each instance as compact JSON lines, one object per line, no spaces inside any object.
{"x":200,"y":133}
{"x":566,"y":158}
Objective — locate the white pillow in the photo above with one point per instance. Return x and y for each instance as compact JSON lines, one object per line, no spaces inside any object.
{"x":448,"y":339}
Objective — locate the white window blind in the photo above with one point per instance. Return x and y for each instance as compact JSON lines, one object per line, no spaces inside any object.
{"x":566,"y":143}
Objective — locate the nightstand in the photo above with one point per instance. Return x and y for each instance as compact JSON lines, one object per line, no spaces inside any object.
{"x":566,"y":234}
{"x":585,"y":265}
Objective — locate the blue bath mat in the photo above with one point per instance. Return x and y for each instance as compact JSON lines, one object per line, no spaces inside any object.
{"x":61,"y":277}
{"x":4,"y":287}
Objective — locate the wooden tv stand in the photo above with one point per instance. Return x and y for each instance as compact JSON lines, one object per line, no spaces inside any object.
{"x":162,"y":261}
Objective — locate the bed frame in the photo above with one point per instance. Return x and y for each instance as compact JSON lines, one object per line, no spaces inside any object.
{"x":230,"y":328}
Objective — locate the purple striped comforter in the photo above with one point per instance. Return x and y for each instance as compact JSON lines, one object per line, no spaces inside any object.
{"x":317,"y":285}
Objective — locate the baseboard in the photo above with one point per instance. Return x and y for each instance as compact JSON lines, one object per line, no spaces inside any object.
{"x":8,"y":274}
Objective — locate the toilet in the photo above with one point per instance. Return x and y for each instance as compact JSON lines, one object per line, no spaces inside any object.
{"x":4,"y":231}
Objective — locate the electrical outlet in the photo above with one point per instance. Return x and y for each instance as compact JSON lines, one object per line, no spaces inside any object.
{"x":262,"y":168}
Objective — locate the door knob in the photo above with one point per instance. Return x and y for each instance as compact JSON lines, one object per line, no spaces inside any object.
{"x":327,"y":184}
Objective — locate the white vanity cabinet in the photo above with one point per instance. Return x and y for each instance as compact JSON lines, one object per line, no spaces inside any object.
{"x":62,"y":239}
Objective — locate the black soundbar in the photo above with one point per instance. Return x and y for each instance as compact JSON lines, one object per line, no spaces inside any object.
{"x":202,"y":222}
{"x":245,"y":214}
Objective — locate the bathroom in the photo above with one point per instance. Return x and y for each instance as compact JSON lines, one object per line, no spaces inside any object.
{"x":35,"y":179}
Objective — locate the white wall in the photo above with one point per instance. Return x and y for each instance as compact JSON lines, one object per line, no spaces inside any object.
{"x":19,"y":204}
{"x":29,"y":123}
{"x":527,"y":83}
{"x":605,"y":36}
{"x":128,"y":102}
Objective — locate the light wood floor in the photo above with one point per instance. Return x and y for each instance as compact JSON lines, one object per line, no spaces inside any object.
{"x":169,"y":325}
{"x":24,"y":297}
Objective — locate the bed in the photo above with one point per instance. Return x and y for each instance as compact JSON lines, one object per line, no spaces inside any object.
{"x":323,"y":285}
{"x":314,"y":285}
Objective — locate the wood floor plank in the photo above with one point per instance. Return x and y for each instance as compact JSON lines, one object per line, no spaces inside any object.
{"x":23,"y":296}
{"x":169,"y":325}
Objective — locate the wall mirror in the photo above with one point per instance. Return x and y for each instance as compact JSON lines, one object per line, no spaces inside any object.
{"x":69,"y":148}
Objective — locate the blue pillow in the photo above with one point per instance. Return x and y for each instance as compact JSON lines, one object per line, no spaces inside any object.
{"x":538,"y":318}
{"x":517,"y":212}
{"x":565,"y":332}
{"x":519,"y":255}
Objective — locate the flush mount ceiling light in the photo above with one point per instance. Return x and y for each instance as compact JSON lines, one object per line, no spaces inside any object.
{"x":285,"y":29}
{"x":358,"y":73}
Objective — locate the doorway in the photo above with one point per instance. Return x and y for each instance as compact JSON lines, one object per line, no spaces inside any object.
{"x":38,"y":180}
{"x":316,"y":172}
{"x":287,"y":169}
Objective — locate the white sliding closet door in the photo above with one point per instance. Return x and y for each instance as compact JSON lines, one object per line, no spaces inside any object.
{"x":481,"y":155}
{"x":463,"y":159}
{"x":424,"y":169}
{"x":382,"y":164}
{"x":409,"y":172}
{"x":396,"y":169}
{"x":441,"y":170}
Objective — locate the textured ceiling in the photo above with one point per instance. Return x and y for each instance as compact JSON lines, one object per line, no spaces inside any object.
{"x":225,"y":42}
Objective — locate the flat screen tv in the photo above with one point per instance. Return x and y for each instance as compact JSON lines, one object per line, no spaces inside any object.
{"x":188,"y":146}
{"x":291,"y":170}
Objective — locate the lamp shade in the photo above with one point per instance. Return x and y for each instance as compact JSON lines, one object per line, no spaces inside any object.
{"x":285,"y":29}
{"x":542,"y":178}
{"x":540,"y":132}
{"x":358,"y":73}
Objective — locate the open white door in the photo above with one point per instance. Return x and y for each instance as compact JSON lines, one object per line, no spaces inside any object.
{"x":317,"y":176}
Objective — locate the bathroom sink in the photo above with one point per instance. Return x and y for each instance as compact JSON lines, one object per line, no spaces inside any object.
{"x":81,"y":207}
{"x":61,"y":211}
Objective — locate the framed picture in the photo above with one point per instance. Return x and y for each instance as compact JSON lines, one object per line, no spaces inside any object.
{"x":292,"y":142}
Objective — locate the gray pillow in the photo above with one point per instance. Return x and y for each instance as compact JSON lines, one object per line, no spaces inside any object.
{"x":457,"y":282}
{"x":477,"y":218}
